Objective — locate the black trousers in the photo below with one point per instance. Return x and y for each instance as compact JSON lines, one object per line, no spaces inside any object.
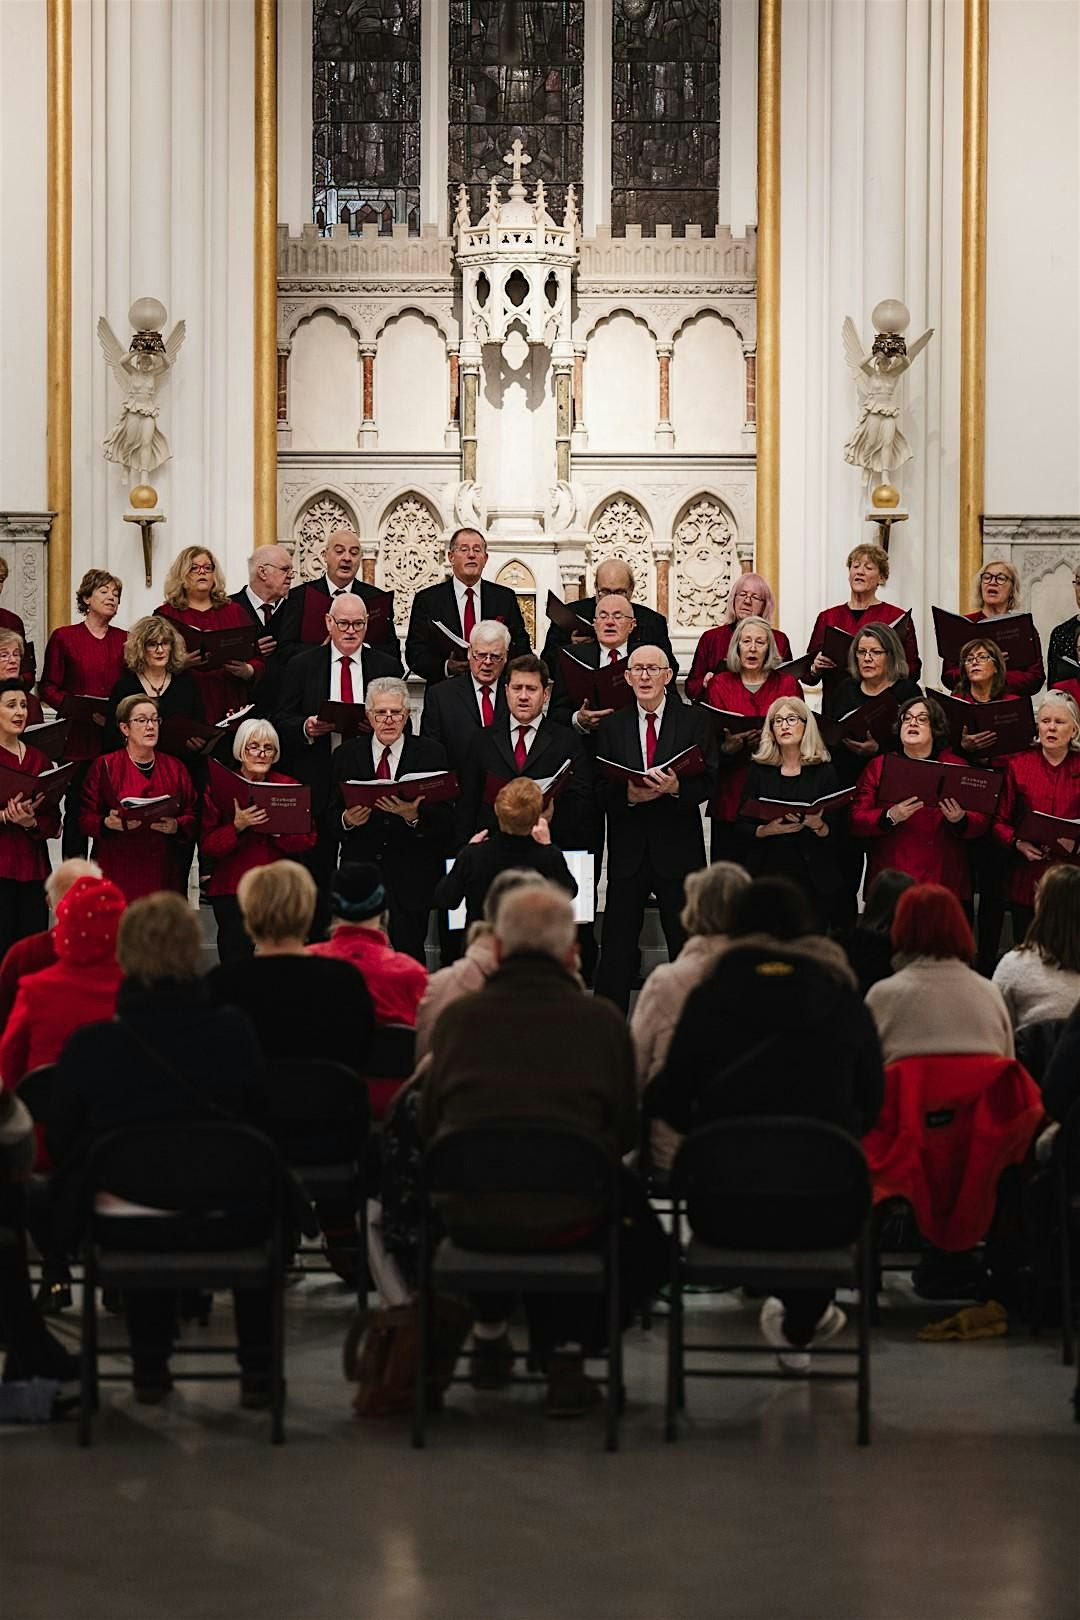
{"x":31,"y":1350}
{"x":233,"y":941}
{"x":23,"y":910}
{"x":624,"y":913}
{"x":74,"y":843}
{"x":989,"y":861}
{"x":408,"y":930}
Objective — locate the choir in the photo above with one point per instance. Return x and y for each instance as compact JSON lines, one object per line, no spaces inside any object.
{"x":172,"y":724}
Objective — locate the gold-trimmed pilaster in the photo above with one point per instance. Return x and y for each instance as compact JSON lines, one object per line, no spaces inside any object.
{"x":768,"y":293}
{"x":973,"y":294}
{"x":58,"y":308}
{"x":264,"y":394}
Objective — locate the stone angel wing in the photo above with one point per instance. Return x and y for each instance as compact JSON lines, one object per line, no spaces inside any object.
{"x":174,"y":341}
{"x":857,"y":361}
{"x":916,"y":348}
{"x":114,"y":352}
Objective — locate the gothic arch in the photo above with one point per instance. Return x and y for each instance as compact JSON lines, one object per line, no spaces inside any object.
{"x":300,"y":316}
{"x":707,"y":308}
{"x":410,"y":306}
{"x":620,"y":528}
{"x":705,"y":560}
{"x":592,"y":318}
{"x":411,"y":550}
{"x":317,"y":517}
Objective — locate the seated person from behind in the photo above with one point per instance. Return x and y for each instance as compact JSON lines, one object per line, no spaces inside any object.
{"x":358,"y":935}
{"x":523,"y":839}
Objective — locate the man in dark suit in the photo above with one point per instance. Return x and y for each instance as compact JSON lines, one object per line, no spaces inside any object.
{"x":613,"y":577}
{"x":613,"y":628}
{"x":457,"y":710}
{"x":302,"y":617}
{"x":407,"y":841}
{"x":654,"y":833}
{"x":263,"y":599}
{"x":338,"y":673}
{"x":460,"y":603}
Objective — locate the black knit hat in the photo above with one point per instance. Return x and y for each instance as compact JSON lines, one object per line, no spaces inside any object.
{"x":358,"y":892}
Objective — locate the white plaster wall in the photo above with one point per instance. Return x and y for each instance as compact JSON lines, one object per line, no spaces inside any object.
{"x":325,"y":378}
{"x":708,"y":387}
{"x":621,"y":385}
{"x":411,"y":384}
{"x":22,"y":258}
{"x":1033,"y":259}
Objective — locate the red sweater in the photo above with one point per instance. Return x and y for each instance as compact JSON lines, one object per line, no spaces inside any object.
{"x":143,"y":861}
{"x":23,"y":855}
{"x":221,"y":692}
{"x":726,"y":691}
{"x":50,"y":1006}
{"x":843,"y":617}
{"x":1032,"y":783}
{"x":1018,"y":682}
{"x":78,"y":664}
{"x":396,"y":981}
{"x":711,"y":654}
{"x":27,"y":955}
{"x":235,"y":853}
{"x":926,"y":846}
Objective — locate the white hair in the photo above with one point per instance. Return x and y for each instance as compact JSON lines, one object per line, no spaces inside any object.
{"x":255,"y":730}
{"x":262,"y":554}
{"x":384,"y":686}
{"x":536,"y":919}
{"x":1062,"y":700}
{"x":66,"y":874}
{"x":490,"y":630}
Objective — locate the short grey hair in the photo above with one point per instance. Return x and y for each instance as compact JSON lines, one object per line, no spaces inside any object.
{"x":66,"y":874}
{"x":384,"y":686}
{"x":255,"y":730}
{"x":490,"y":630}
{"x":1062,"y":700}
{"x":772,"y":657}
{"x":710,"y":893}
{"x":514,"y":877}
{"x":536,"y":919}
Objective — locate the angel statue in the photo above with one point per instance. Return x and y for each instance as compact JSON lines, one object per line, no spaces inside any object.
{"x":877,"y":444}
{"x":136,"y":442}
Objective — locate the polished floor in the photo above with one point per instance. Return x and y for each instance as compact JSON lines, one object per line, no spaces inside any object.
{"x":965,"y":1507}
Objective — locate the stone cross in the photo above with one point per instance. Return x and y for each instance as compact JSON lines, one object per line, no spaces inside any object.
{"x":517,"y":157}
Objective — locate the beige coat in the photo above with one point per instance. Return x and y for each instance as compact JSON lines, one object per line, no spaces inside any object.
{"x":470,"y":972}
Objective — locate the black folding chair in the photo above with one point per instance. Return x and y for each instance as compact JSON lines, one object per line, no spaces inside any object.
{"x":516,"y":1157}
{"x":751,"y":1188}
{"x":37,"y":1090}
{"x":1035,"y":1044}
{"x":314,"y":1103}
{"x":204,"y":1173}
{"x":1067,"y":1177}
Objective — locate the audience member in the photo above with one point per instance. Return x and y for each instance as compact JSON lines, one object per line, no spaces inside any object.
{"x":1040,"y":978}
{"x":935,"y":1003}
{"x":395,"y":980}
{"x":868,"y":945}
{"x":31,"y":1351}
{"x":523,"y":839}
{"x":36,"y":951}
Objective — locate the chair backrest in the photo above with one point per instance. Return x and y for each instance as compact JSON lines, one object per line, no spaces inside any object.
{"x":189,"y":1168}
{"x":1067,"y":1151}
{"x":1035,"y":1045}
{"x":37,"y":1090}
{"x":779,"y":1182}
{"x":316,"y":1091}
{"x":521,"y":1156}
{"x":393,"y":1052}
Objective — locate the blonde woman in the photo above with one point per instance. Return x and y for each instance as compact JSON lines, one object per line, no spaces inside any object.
{"x":792,"y":763}
{"x":154,"y":658}
{"x":195,"y":596}
{"x":998,"y":595}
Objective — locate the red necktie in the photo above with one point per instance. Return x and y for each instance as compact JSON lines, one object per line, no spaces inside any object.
{"x":468,"y":623}
{"x":650,"y":741}
{"x":521,"y":753}
{"x":613,"y":656}
{"x":487,"y":710}
{"x":382,"y":770}
{"x":346,"y":680}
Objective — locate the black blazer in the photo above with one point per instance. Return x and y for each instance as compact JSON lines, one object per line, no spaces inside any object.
{"x":289,"y":619}
{"x":563,"y":707}
{"x":452,"y":717}
{"x":305,"y":687}
{"x":574,"y":822}
{"x":651,"y":630}
{"x":425,"y":652}
{"x":665,"y":834}
{"x":477,"y":866}
{"x":411,"y":859}
{"x":268,"y":691}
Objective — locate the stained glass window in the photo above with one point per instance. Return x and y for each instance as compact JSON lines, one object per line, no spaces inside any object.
{"x":516,"y":71}
{"x":366,"y":114}
{"x":665,"y":102}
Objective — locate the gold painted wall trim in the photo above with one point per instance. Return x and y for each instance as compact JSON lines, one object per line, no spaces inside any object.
{"x":768,"y":293}
{"x":973,"y":294}
{"x":58,"y":308}
{"x":264,"y":396}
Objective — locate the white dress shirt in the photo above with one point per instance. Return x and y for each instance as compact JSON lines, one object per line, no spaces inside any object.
{"x":643,"y":727}
{"x":258,"y":604}
{"x":395,"y":754}
{"x":334,"y":694}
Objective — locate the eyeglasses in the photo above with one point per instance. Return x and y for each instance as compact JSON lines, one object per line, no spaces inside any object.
{"x":383,"y":715}
{"x":486,"y":657}
{"x":349,"y":624}
{"x":914,"y":718}
{"x":281,"y":568}
{"x":143,"y":720}
{"x":201,"y":568}
{"x":263,"y":749}
{"x":995,"y":579}
{"x":869,"y":652}
{"x":785,"y":720}
{"x":749,"y":596}
{"x":159,"y":646}
{"x":978,"y":658}
{"x":651,"y":670}
{"x":611,"y":618}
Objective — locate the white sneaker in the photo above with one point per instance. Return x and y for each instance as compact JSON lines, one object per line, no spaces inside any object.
{"x":794,"y":1359}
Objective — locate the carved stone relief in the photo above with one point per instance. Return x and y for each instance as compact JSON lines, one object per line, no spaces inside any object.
{"x":314,"y":527}
{"x":706,"y":562}
{"x":620,"y":530}
{"x":412,"y":554}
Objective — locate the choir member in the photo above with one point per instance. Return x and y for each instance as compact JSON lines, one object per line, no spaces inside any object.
{"x":1045,"y":778}
{"x":999,"y":595}
{"x":262,"y":599}
{"x":751,"y":598}
{"x":407,"y":839}
{"x":925,"y":840}
{"x":457,"y":710}
{"x":84,"y":660}
{"x":868,"y":569}
{"x":12,"y":658}
{"x":1069,"y":682}
{"x":25,"y":825}
{"x":139,"y":857}
{"x":748,"y":684}
{"x":876,"y":667}
{"x":614,"y":577}
{"x":614,"y":625}
{"x":1061,"y":653}
{"x":460,"y":603}
{"x":791,"y":762}
{"x":195,"y":596}
{"x":232,"y":836}
{"x":155,"y":657}
{"x":654,"y":832}
{"x":301,"y":621}
{"x":11,"y":621}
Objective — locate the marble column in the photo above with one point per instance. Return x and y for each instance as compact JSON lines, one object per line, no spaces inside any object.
{"x":665,"y":433}
{"x":368,"y":437}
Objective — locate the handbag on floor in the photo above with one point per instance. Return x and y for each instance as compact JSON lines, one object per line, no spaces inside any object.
{"x":383,"y":1360}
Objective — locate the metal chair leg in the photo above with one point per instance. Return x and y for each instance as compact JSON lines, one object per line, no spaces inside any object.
{"x":674,"y":1340}
{"x":866,"y":1278}
{"x":423,"y":1309}
{"x":1068,"y":1327}
{"x":614,"y":1369}
{"x":277,"y":1346}
{"x":88,"y":1381}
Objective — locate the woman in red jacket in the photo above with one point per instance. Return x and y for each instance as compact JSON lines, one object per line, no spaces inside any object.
{"x":868,"y":570}
{"x":999,"y":594}
{"x":924,"y":840}
{"x":84,"y":660}
{"x":751,"y":598}
{"x":748,"y":685}
{"x":139,"y":857}
{"x":232,"y":838}
{"x":195,"y":596}
{"x":358,"y":934}
{"x":12,"y":659}
{"x":26,"y":824}
{"x":1045,"y":778}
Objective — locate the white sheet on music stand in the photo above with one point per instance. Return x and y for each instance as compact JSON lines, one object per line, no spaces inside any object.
{"x":580,"y":862}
